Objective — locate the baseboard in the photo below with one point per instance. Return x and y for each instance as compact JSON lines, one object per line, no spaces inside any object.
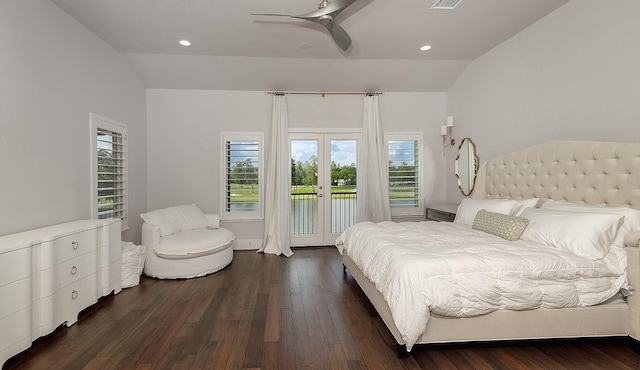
{"x":634,"y":344}
{"x":247,"y":244}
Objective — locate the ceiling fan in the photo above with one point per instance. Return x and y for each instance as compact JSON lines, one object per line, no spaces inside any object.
{"x":325,"y":15}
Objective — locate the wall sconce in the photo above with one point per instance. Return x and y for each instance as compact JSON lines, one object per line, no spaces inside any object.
{"x":446,"y":131}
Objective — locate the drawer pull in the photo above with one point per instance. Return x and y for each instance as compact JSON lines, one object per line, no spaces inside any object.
{"x":74,"y":270}
{"x":74,"y":294}
{"x":74,"y":244}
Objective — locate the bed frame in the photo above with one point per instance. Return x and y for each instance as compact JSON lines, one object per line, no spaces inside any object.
{"x":599,"y":173}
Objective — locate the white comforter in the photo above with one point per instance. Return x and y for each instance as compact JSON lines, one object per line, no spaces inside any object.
{"x":453,"y":270}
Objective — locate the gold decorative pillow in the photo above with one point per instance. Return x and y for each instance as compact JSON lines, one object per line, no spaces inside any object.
{"x":505,"y":226}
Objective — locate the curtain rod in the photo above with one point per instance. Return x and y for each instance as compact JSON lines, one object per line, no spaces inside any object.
{"x":368,"y":93}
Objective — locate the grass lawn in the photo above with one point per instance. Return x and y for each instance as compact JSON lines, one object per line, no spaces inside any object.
{"x":244,"y":193}
{"x":400,"y":192}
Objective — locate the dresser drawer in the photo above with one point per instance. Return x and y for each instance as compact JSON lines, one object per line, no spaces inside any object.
{"x":15,"y":334}
{"x":15,"y":265}
{"x":14,"y":297}
{"x":58,"y":250}
{"x":66,"y":303}
{"x":66,"y":273}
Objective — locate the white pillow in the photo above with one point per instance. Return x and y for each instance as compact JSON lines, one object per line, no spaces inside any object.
{"x":172,"y":220}
{"x":469,"y":207}
{"x":158,"y":218}
{"x":525,"y":203}
{"x":630,"y":224}
{"x":584,"y":234}
{"x":187,"y":217}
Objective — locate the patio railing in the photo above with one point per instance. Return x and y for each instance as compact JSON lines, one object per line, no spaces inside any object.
{"x":304,"y":212}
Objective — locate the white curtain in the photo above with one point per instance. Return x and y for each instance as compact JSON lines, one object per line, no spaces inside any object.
{"x":278,"y":185}
{"x":373,"y":169}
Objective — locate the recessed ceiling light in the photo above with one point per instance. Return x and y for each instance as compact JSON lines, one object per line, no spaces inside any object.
{"x":184,"y":42}
{"x":305,"y":45}
{"x":425,"y":48}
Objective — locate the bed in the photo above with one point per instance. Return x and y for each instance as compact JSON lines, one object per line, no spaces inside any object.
{"x":599,"y":174}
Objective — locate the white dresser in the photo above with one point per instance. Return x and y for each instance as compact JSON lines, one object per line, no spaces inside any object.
{"x":49,"y":275}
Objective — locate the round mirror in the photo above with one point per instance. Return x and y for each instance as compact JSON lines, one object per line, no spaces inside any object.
{"x":466,"y":166}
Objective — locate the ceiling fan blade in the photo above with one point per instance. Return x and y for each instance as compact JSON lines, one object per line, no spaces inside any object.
{"x":338,"y":33}
{"x":325,"y":17}
{"x":340,"y":36}
{"x":272,"y":14}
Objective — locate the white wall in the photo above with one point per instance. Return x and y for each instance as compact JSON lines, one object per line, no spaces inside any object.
{"x":573,"y":75}
{"x":184,"y":129}
{"x":53,"y":73}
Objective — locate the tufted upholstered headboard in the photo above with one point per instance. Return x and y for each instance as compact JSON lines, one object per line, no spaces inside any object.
{"x":574,"y":171}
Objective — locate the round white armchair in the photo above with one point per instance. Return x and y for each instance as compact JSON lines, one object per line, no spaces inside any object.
{"x":182,"y":242}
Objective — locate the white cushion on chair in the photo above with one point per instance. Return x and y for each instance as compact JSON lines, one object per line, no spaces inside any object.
{"x":173,"y":220}
{"x":187,"y":217}
{"x":158,"y":219}
{"x":194,"y":243}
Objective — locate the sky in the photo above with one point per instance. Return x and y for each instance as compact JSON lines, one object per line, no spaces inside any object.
{"x":343,"y":152}
{"x":402,"y":151}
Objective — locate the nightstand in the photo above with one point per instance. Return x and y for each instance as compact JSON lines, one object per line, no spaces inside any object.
{"x":442,"y":212}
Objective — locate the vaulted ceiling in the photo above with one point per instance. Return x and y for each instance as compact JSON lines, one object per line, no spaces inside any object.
{"x":234,"y":50}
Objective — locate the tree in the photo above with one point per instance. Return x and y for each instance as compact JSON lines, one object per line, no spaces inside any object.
{"x":244,"y":173}
{"x":296,"y":173}
{"x":335,"y":172}
{"x":309,"y":172}
{"x":348,"y":174}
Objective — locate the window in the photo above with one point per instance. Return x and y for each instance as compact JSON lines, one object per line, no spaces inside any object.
{"x":109,"y":169}
{"x":405,"y":172}
{"x":241,"y":176}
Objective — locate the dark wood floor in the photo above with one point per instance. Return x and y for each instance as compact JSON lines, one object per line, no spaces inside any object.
{"x":268,"y":312}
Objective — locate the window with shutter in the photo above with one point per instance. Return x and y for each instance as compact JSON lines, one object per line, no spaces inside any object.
{"x":405,"y":172}
{"x":109,"y":169}
{"x":242,"y":176}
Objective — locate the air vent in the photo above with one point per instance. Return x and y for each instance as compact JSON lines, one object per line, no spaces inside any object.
{"x":446,"y":4}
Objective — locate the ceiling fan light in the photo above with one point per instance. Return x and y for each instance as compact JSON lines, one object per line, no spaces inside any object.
{"x":324,"y":4}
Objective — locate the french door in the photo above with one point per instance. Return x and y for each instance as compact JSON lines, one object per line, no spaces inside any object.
{"x":323,"y":186}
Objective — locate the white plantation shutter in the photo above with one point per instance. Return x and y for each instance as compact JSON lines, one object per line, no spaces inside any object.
{"x":405,"y":173}
{"x":109,"y":169}
{"x":241,"y":177}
